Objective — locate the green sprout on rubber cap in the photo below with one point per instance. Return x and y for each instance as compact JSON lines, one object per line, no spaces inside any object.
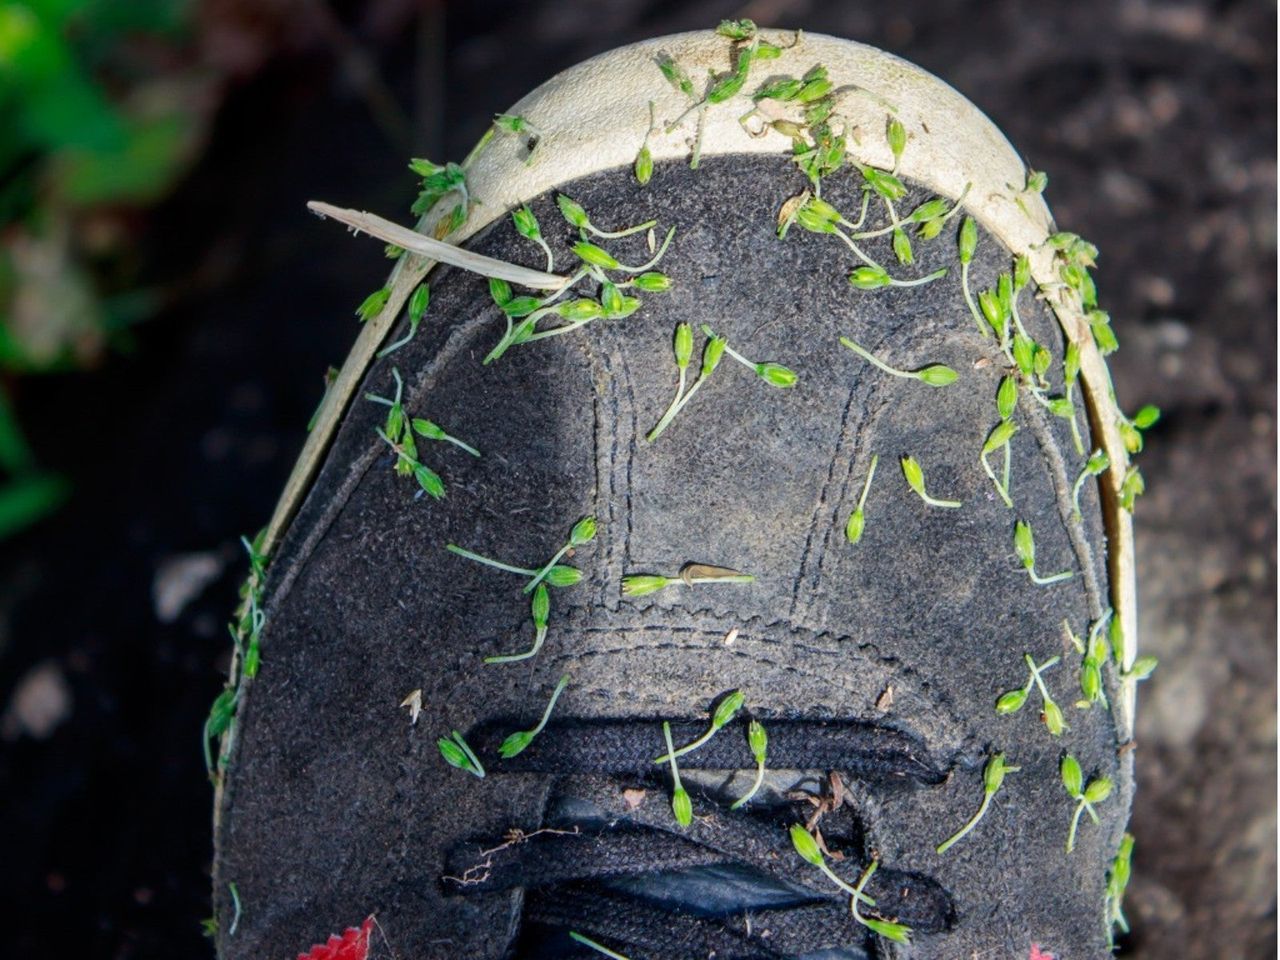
{"x":681,"y":805}
{"x":857,"y":520}
{"x":935,"y":375}
{"x":993,"y":775}
{"x":1024,"y":545}
{"x":456,"y":753}
{"x":1085,"y":796}
{"x":914,"y":475}
{"x":518,"y":741}
{"x":1013,"y":700}
{"x":758,"y":741}
{"x":726,"y":710}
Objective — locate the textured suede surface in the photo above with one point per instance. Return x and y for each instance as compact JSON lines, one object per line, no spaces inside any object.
{"x":336,"y":807}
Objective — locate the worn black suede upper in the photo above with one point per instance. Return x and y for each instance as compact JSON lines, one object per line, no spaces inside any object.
{"x":337,"y":807}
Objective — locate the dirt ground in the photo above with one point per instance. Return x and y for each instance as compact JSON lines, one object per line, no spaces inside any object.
{"x":1156,"y":124}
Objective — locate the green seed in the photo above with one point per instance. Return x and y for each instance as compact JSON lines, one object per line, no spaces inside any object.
{"x":1072,"y":777}
{"x":644,"y":165}
{"x":596,"y":256}
{"x":1011,"y":702}
{"x":653,"y":282}
{"x":968,"y":239}
{"x":1007,"y":397}
{"x":869,"y":278}
{"x":584,"y":531}
{"x":1098,"y":790}
{"x":776,"y":374}
{"x":572,"y":211}
{"x":683,"y":345}
{"x":639,"y":585}
{"x":805,"y":845}
{"x":937,"y":375}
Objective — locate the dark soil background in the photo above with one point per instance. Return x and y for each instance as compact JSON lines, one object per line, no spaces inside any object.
{"x":1157,"y":125}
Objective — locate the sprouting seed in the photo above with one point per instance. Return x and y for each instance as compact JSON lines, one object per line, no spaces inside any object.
{"x":1013,"y":700}
{"x":999,"y":439}
{"x":758,"y":741}
{"x":889,"y":929}
{"x":897,"y":136}
{"x":683,"y":348}
{"x":644,"y":157}
{"x":517,"y":742}
{"x":692,"y":574}
{"x":1117,"y":882}
{"x":1007,"y":397}
{"x":559,"y":575}
{"x":774,"y":374}
{"x":1024,"y":545}
{"x":1097,"y":790}
{"x":419,"y":300}
{"x":540,"y":611}
{"x":520,"y":127}
{"x":458,"y":754}
{"x":1097,"y":464}
{"x":681,"y":805}
{"x":935,"y":375}
{"x":968,"y":244}
{"x":576,"y":214}
{"x":857,"y":520}
{"x":993,"y":775}
{"x":431,"y":431}
{"x":725,"y":711}
{"x":914,"y":475}
{"x":597,"y":947}
{"x":1143,"y":667}
{"x":583,"y":532}
{"x":527,"y":226}
{"x":808,"y":848}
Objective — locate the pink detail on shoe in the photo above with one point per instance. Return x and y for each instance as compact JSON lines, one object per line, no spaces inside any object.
{"x":352,"y":945}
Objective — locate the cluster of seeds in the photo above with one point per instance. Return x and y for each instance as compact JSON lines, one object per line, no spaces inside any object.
{"x":399,"y":431}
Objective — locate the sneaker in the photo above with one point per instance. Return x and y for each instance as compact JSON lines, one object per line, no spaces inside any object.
{"x":765,"y":591}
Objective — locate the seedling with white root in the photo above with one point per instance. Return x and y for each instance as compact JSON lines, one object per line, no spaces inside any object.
{"x":758,"y":741}
{"x":914,"y":475}
{"x":516,"y":743}
{"x":1097,"y":790}
{"x":1013,"y":700}
{"x":1024,"y":545}
{"x":724,"y":713}
{"x":857,"y":520}
{"x":691,"y":575}
{"x":935,"y":374}
{"x":993,"y":775}
{"x":457,"y":753}
{"x":552,"y":573}
{"x":681,"y":805}
{"x":808,"y":848}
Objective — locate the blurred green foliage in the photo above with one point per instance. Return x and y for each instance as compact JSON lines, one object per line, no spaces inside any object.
{"x":101,"y":107}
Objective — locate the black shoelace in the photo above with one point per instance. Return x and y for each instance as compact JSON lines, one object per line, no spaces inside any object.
{"x":730,"y":886}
